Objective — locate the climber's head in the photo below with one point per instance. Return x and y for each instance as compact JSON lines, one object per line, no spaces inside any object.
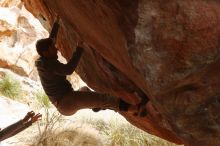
{"x":46,"y":48}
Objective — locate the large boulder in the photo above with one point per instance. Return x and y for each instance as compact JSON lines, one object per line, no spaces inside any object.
{"x":167,"y":51}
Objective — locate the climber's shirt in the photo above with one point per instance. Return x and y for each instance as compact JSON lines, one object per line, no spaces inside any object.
{"x":52,"y":74}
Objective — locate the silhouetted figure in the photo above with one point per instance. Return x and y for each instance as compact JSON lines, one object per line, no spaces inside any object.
{"x":53,"y":79}
{"x":19,"y":126}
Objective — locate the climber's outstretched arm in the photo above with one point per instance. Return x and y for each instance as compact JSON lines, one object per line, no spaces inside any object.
{"x":19,"y":126}
{"x":55,"y":28}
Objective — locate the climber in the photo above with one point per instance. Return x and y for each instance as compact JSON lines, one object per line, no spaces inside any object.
{"x":19,"y":126}
{"x":53,"y":74}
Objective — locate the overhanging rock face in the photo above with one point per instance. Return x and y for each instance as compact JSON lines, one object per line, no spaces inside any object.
{"x":167,"y":50}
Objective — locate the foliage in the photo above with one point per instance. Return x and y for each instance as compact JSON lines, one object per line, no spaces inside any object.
{"x":43,"y":98}
{"x":10,"y":87}
{"x":54,"y":130}
{"x":114,"y":132}
{"x":47,"y":127}
{"x":121,"y":133}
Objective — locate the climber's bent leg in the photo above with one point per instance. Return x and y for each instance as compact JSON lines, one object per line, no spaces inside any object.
{"x":75,"y":100}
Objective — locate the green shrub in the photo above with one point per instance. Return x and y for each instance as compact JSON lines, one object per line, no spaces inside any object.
{"x":121,"y":133}
{"x":43,"y":98}
{"x":10,"y":87}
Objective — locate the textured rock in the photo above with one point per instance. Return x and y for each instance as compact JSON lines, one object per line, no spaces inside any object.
{"x":19,"y":31}
{"x":10,"y":3}
{"x":168,"y":50}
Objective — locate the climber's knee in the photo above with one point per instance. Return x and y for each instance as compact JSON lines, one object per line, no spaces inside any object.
{"x":63,"y":110}
{"x":65,"y":107}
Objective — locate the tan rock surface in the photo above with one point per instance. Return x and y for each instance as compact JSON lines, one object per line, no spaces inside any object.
{"x":19,"y":31}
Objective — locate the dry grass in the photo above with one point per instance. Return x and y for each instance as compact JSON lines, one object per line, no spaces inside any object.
{"x":56,"y":131}
{"x":121,"y":133}
{"x":89,"y":129}
{"x":75,"y":136}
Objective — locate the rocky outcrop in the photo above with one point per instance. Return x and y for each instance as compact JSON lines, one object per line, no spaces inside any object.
{"x":19,"y":31}
{"x":10,"y":3}
{"x":167,"y":51}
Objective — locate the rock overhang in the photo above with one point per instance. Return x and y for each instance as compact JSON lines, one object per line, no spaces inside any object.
{"x":168,"y":51}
